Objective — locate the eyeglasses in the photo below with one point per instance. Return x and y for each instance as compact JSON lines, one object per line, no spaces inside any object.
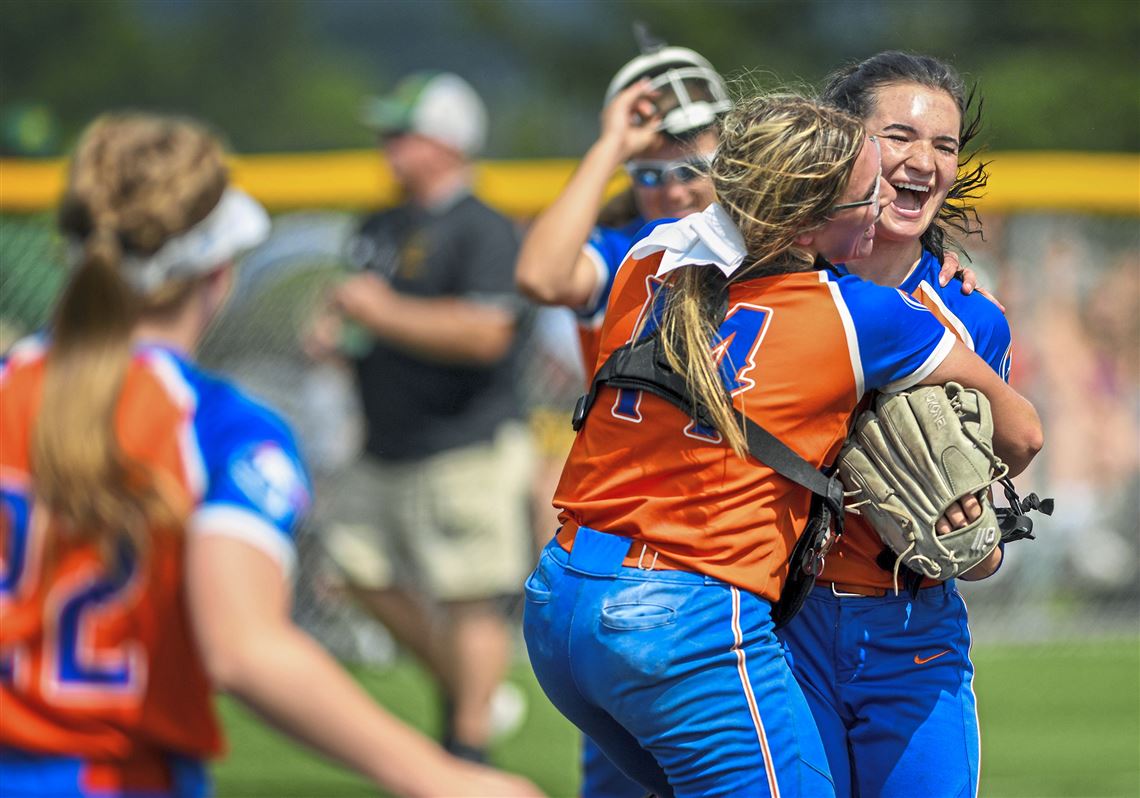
{"x":873,"y":200}
{"x":654,"y":174}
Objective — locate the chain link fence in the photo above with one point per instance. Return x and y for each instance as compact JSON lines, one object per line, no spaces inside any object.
{"x":1071,"y":286}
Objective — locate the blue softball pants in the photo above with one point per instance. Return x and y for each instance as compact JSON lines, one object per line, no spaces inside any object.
{"x":678,"y":677}
{"x":601,"y":778}
{"x":890,"y":683}
{"x":24,"y":774}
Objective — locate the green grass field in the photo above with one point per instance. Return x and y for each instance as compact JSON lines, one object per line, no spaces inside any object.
{"x":1057,"y":721}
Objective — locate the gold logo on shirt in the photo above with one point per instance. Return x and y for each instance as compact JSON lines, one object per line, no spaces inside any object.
{"x":412,"y":257}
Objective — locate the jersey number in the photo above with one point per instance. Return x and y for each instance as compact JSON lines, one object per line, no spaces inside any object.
{"x":77,"y":665}
{"x":734,"y":351}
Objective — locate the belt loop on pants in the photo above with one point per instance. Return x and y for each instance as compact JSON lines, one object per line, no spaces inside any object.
{"x":841,"y":590}
{"x":638,"y":553}
{"x":641,"y":556}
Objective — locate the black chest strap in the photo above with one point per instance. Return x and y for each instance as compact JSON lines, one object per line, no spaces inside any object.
{"x":641,"y":366}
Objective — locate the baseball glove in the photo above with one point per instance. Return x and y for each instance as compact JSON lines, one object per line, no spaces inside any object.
{"x":909,"y":460}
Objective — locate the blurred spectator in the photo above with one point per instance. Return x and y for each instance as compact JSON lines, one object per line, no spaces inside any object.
{"x":430,"y":527}
{"x":1087,"y":357}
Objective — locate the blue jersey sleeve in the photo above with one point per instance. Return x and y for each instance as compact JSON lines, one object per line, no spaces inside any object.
{"x":256,"y":487}
{"x":988,"y":328}
{"x":977,"y":320}
{"x":897,"y":342}
{"x":607,"y":248}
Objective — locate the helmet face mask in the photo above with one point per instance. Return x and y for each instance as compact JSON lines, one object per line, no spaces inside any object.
{"x":688,"y":99}
{"x":690,"y":93}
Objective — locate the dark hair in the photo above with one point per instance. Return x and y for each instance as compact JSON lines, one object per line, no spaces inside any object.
{"x":853,"y":88}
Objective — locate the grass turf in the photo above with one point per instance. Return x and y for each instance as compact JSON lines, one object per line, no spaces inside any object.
{"x":1057,"y":721}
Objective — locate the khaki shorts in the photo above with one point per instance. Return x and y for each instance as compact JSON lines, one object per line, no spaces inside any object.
{"x":454,"y":526}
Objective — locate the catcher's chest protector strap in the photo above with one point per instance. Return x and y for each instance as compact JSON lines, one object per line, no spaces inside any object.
{"x":641,"y":366}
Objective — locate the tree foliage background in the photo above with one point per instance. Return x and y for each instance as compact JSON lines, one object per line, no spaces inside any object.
{"x":290,"y":74}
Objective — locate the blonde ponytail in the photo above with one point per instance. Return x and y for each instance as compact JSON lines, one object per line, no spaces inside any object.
{"x":80,"y":472}
{"x":135,"y":182}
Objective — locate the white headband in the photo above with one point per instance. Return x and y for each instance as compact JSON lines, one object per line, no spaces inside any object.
{"x":237,"y":223}
{"x":708,"y":238}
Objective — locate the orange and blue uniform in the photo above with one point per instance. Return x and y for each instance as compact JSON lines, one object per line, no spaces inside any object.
{"x":796,"y":371}
{"x":648,"y":619}
{"x":855,"y":644}
{"x":102,"y":689}
{"x":980,"y":325}
{"x":606,"y":248}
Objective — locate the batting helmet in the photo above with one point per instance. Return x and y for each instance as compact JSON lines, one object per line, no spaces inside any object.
{"x":691,"y":93}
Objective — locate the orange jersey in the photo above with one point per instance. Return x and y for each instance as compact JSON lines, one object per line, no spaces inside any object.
{"x":981,"y":326}
{"x":98,"y":660}
{"x":589,"y":338}
{"x":797,"y":353}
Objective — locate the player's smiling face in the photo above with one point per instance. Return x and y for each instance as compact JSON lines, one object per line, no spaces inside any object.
{"x":674,"y":199}
{"x":918,"y":127}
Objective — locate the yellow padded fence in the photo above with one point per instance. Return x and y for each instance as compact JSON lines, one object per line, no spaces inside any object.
{"x":1020,"y":181}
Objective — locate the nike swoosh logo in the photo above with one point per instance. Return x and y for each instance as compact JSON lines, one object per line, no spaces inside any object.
{"x":923,"y":660}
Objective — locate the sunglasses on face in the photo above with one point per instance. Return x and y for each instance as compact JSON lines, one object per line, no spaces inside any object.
{"x":654,"y":174}
{"x":873,"y":200}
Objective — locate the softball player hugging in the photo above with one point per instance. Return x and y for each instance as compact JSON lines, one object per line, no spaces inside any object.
{"x":649,"y":617}
{"x":888,"y":676}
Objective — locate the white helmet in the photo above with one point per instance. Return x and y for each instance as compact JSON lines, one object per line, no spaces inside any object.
{"x":692,"y":94}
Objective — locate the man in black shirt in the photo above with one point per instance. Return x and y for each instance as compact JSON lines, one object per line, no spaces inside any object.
{"x":431,"y":527}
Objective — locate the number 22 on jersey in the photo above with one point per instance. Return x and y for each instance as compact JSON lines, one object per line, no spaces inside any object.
{"x":74,"y":631}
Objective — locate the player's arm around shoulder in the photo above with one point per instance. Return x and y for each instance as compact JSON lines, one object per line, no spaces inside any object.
{"x":980,"y":318}
{"x":902,"y":344}
{"x":993,"y":336}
